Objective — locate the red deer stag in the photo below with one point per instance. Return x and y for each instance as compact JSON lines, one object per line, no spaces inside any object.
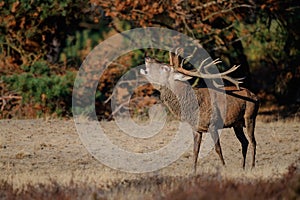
{"x":241,"y":105}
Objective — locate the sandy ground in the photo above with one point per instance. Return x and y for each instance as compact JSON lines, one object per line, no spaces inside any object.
{"x":38,"y":151}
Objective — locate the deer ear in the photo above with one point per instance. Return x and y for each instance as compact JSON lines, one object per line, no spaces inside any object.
{"x":181,"y":77}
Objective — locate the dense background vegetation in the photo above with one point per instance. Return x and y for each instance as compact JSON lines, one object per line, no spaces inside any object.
{"x":42,"y":45}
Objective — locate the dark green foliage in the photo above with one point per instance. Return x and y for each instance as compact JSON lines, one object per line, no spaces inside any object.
{"x":38,"y":85}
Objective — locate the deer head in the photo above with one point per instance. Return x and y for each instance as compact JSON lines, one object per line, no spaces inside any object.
{"x":161,"y":74}
{"x":166,"y":74}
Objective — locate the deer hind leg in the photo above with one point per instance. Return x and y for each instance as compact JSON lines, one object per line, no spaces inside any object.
{"x":243,"y":140}
{"x":250,"y":125}
{"x":197,"y":143}
{"x":215,"y":136}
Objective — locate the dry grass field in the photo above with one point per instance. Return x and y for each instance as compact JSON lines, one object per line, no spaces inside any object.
{"x":46,"y":159}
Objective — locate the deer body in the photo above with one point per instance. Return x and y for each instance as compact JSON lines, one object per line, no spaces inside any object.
{"x":216,"y":108}
{"x":236,"y":108}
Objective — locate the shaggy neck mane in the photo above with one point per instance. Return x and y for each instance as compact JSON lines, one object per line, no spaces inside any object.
{"x":180,"y":97}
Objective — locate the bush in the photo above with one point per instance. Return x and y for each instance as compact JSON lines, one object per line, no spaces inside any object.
{"x":45,"y":91}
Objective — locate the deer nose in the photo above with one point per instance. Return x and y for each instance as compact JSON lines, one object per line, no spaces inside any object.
{"x":144,"y":72}
{"x":147,"y":59}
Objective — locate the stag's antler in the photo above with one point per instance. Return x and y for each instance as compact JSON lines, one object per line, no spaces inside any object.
{"x":177,"y":63}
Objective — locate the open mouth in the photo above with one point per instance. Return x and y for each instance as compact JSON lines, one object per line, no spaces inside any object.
{"x":144,"y":72}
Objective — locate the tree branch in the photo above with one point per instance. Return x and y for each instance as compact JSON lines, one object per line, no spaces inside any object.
{"x":227,"y":10}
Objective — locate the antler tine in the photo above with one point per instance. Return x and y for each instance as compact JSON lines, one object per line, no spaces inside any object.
{"x":178,"y":51}
{"x":202,"y":63}
{"x":240,"y":79}
{"x":176,"y":60}
{"x":236,"y":82}
{"x":214,"y":62}
{"x":186,"y":59}
{"x":174,"y":57}
{"x":171,"y":58}
{"x":233,"y":68}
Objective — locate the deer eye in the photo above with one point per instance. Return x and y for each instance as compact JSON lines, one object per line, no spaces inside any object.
{"x":165,"y":68}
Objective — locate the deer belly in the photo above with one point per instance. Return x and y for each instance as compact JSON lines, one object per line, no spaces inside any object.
{"x":234,"y":117}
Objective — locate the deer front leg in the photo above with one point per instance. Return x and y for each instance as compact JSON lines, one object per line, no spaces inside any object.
{"x":197,"y":143}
